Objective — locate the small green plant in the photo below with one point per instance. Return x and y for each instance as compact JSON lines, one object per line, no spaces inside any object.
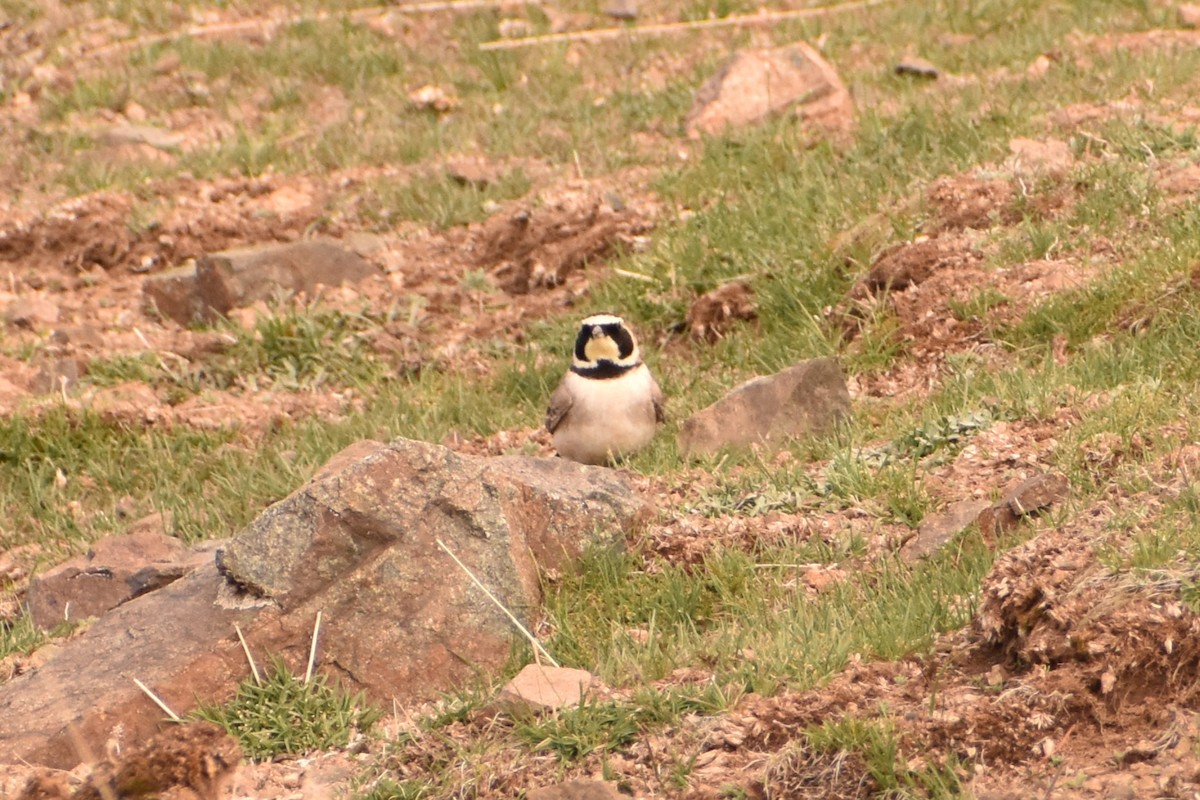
{"x":978,"y":305}
{"x":878,"y":745}
{"x":20,"y":635}
{"x":388,"y":789}
{"x":950,"y":431}
{"x":574,"y":733}
{"x":286,"y":715}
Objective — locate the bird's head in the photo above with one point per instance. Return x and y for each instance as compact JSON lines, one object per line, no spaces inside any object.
{"x":605,"y":338}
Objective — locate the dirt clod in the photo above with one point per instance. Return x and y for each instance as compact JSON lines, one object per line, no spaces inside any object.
{"x":714,"y":313}
{"x":538,"y":249}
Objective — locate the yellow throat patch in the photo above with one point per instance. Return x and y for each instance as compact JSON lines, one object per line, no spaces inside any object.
{"x":603,"y":347}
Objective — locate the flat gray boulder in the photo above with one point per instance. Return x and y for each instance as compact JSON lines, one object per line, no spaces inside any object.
{"x":220,"y":282}
{"x":802,"y":400}
{"x":360,"y":544}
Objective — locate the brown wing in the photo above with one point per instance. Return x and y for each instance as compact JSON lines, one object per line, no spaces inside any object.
{"x":560,"y":404}
{"x":656,"y":397}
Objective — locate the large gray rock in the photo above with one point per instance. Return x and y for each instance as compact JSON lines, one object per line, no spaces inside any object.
{"x":220,"y":282}
{"x":358,"y":543}
{"x":757,"y":84}
{"x":805,"y":399}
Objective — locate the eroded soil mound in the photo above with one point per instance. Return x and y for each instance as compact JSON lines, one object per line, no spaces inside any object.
{"x":1071,"y":654}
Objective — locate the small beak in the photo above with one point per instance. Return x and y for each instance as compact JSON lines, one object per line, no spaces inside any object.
{"x":597,"y":331}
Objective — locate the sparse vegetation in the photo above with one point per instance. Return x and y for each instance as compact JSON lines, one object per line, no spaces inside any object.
{"x":1070,"y":345}
{"x":285,"y":715}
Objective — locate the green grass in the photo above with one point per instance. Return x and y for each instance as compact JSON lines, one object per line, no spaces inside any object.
{"x":737,"y":603}
{"x":757,"y":204}
{"x":285,"y":715}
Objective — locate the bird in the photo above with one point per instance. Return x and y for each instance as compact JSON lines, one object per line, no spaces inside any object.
{"x":608,"y":405}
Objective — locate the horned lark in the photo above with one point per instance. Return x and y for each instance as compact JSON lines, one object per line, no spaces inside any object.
{"x":608,"y":404}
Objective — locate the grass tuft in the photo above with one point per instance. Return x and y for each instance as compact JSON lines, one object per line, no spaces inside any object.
{"x":283,"y":715}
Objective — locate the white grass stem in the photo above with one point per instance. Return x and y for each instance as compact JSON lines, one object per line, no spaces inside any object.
{"x":312,"y":649}
{"x":637,"y":276}
{"x":537,"y":646}
{"x":664,"y":28}
{"x":249,"y":658}
{"x":158,"y":701}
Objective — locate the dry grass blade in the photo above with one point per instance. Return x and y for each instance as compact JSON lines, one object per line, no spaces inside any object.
{"x":537,"y":646}
{"x":665,"y":28}
{"x":312,"y":649}
{"x":158,"y":701}
{"x":246,"y":650}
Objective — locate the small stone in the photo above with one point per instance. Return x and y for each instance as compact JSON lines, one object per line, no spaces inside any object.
{"x":917,"y":67}
{"x":1120,"y":787}
{"x":805,"y":399}
{"x":125,"y":133}
{"x":823,"y":579}
{"x":134,"y":112}
{"x":1037,"y":493}
{"x":32,"y":312}
{"x":114,"y":571}
{"x":576,"y":790}
{"x":538,"y":688}
{"x":433,"y":98}
{"x":57,"y":374}
{"x":168,"y":62}
{"x":622,"y":9}
{"x":478,"y":173}
{"x":1030,"y":156}
{"x":1039,"y":66}
{"x":220,"y":282}
{"x":757,"y":84}
{"x":287,"y":201}
{"x":364,"y":243}
{"x":938,"y":529}
{"x":1028,"y":498}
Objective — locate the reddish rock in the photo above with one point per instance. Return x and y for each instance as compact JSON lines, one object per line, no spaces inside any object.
{"x":114,"y":571}
{"x":32,"y":312}
{"x":757,"y":84}
{"x":1032,"y":157}
{"x":57,"y":373}
{"x":802,"y":400}
{"x":577,"y":790}
{"x":359,"y":543}
{"x":538,"y":688}
{"x":622,"y":9}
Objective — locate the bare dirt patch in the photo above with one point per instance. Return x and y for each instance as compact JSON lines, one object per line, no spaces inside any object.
{"x":940,"y":289}
{"x":1066,"y":661}
{"x":538,"y":249}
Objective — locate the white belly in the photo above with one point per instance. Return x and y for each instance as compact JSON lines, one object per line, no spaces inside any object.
{"x":608,"y":418}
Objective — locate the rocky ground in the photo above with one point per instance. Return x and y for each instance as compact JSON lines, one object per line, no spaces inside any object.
{"x":1071,"y":679}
